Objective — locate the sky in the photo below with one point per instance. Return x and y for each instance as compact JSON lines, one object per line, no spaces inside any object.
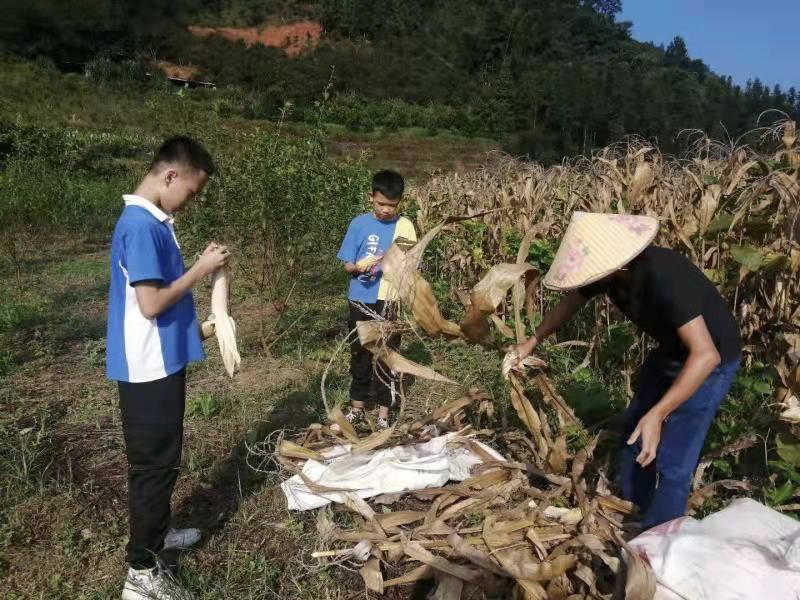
{"x":740,"y":38}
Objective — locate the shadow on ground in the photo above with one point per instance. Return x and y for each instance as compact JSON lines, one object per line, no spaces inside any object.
{"x":233,"y":480}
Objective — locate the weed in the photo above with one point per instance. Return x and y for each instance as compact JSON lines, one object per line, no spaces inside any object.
{"x":205,"y":405}
{"x":473,"y":519}
{"x":25,"y":452}
{"x":95,"y":352}
{"x":8,"y":362}
{"x":20,"y":315}
{"x":295,"y":527}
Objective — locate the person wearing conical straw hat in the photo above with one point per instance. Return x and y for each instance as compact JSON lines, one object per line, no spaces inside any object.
{"x":683,"y":380}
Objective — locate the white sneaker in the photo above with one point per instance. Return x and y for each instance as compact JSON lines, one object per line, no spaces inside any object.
{"x":355,"y":416}
{"x":382,"y":423}
{"x":180,"y":539}
{"x":147,"y":584}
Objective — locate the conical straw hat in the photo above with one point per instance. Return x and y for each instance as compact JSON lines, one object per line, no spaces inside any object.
{"x":596,"y":245}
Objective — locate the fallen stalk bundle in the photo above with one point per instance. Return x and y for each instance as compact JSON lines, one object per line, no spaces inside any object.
{"x":548,"y":533}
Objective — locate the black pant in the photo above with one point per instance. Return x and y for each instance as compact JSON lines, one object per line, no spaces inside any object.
{"x":367,"y":384}
{"x":152,"y":423}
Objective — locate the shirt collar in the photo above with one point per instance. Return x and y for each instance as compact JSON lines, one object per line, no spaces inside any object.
{"x":133,"y":200}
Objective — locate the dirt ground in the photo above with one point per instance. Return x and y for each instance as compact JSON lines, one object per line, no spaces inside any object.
{"x":293,"y":38}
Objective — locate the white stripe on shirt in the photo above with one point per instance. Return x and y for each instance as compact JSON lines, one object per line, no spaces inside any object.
{"x":143,"y":353}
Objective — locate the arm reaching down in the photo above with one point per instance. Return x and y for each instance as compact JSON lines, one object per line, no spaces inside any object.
{"x":552,"y":321}
{"x":702,"y":360}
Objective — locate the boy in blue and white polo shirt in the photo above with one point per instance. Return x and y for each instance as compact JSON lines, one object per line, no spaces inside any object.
{"x":370,"y":235}
{"x":152,"y":335}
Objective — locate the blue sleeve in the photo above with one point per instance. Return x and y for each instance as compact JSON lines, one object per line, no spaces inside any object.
{"x":142,"y":255}
{"x":349,"y":250}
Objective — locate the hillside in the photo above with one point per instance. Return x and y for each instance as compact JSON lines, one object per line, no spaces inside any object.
{"x":546,"y":78}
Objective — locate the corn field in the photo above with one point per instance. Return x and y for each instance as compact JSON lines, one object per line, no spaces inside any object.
{"x":733,"y":209}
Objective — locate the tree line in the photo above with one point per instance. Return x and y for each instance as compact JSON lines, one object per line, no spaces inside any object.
{"x":549,"y":78}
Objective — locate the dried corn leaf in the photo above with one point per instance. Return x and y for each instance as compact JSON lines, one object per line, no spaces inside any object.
{"x":557,"y":459}
{"x":640,"y":581}
{"x":514,"y":525}
{"x":475,"y":556}
{"x":511,"y":362}
{"x":552,"y":397}
{"x":360,"y":535}
{"x":538,"y":544}
{"x":587,"y":576}
{"x":326,"y":528}
{"x":738,"y":176}
{"x":371,"y":573}
{"x":641,"y":183}
{"x":419,"y":573}
{"x":387,"y":498}
{"x":445,"y":411}
{"x":530,"y":590}
{"x":400,"y":517}
{"x":528,"y":415}
{"x":374,"y":332}
{"x":501,"y":327}
{"x":559,"y":588}
{"x":699,"y":497}
{"x":359,"y":505}
{"x":492,"y":289}
{"x":499,"y":539}
{"x":375,"y":440}
{"x":448,"y":588}
{"x":487,"y":479}
{"x":789,"y":134}
{"x":522,"y":565}
{"x":415,"y":551}
{"x":400,"y":271}
{"x":480,"y":452}
{"x":462,"y":507}
{"x":292,"y":450}
{"x":373,"y":336}
{"x":616,"y":504}
{"x":345,"y":426}
{"x":399,"y":364}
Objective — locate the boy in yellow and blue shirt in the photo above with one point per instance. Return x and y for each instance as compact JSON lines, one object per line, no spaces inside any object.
{"x":370,"y":235}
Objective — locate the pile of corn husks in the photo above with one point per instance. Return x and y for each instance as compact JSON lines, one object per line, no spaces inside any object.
{"x":538,"y":529}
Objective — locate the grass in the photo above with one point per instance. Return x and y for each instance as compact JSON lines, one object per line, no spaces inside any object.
{"x":61,"y":454}
{"x":38,"y":94}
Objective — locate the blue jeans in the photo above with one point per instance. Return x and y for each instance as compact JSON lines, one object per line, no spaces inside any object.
{"x":661,"y":490}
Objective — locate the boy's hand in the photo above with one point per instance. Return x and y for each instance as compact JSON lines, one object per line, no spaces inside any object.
{"x":366,"y":264}
{"x":356,"y":269}
{"x":213,"y":257}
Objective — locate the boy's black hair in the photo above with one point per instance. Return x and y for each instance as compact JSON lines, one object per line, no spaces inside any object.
{"x":388,"y":183}
{"x":186,"y":151}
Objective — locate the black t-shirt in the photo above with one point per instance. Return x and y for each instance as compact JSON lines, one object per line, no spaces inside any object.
{"x":662,"y":292}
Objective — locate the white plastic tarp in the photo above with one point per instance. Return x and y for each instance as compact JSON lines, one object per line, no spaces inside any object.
{"x":745,"y":551}
{"x":386,"y":471}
